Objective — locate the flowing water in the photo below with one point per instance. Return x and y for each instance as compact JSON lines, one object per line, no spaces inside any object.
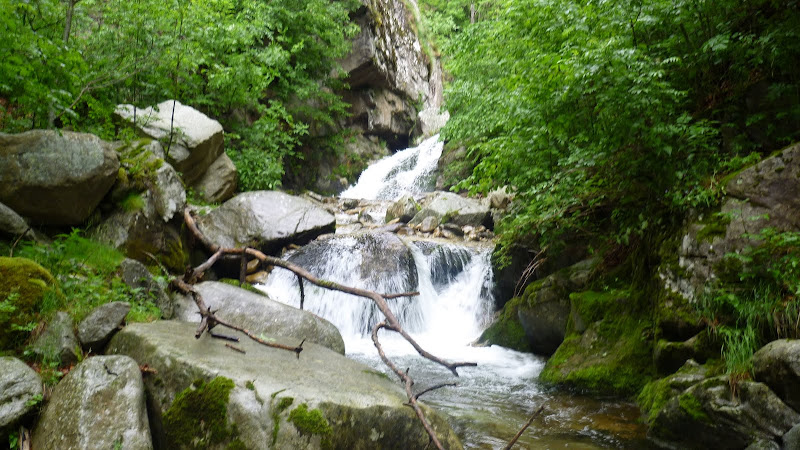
{"x":493,"y":400}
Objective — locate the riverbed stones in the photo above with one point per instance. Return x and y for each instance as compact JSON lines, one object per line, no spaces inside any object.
{"x":709,"y":415}
{"x":58,"y":341}
{"x":268,"y":392}
{"x":403,"y":208}
{"x":192,"y":141}
{"x":267,"y":220}
{"x":55,"y":177}
{"x":260,"y":314}
{"x":448,"y":207}
{"x":20,"y":387}
{"x":98,"y":327}
{"x":99,"y":404}
{"x":777,"y":365}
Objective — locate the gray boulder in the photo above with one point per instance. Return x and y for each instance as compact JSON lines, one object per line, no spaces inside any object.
{"x":98,"y":327}
{"x":449,"y":207}
{"x":100,"y":404}
{"x":709,"y":415}
{"x":266,"y":220}
{"x":268,"y":392}
{"x":777,"y":365}
{"x":791,"y":440}
{"x":219,"y":182}
{"x":429,"y":224}
{"x":58,"y":341}
{"x":55,"y":178}
{"x":20,"y":387}
{"x":136,"y":275}
{"x":168,"y":193}
{"x":260,"y":314}
{"x":139,"y":231}
{"x":13,"y":225}
{"x":192,"y":141}
{"x":404,"y":208}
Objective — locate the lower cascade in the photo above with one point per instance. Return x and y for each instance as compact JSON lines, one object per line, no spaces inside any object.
{"x":455,"y":304}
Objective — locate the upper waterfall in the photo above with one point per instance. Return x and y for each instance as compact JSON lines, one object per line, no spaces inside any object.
{"x":407,"y":171}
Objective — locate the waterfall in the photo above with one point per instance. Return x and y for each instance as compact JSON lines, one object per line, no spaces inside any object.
{"x":455,"y":300}
{"x":408,"y":171}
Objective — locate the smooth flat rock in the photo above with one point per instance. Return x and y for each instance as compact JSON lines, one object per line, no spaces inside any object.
{"x":266,"y":220}
{"x":361,"y":408}
{"x":100,"y":404}
{"x":260,"y":314}
{"x":55,"y":177}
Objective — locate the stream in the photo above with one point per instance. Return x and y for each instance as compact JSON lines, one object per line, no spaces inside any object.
{"x":493,"y":400}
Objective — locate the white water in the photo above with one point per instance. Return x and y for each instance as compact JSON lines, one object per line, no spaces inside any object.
{"x":408,"y":171}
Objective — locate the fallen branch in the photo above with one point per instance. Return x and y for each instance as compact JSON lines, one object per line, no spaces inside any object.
{"x":390,"y":323}
{"x":525,"y":427}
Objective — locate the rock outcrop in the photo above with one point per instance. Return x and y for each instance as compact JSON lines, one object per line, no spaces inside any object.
{"x":270,"y":398}
{"x":260,"y":314}
{"x":777,"y":365}
{"x":55,"y":178}
{"x":99,"y":404}
{"x":20,"y":387}
{"x":191,"y":140}
{"x":709,"y":415}
{"x":266,"y":220}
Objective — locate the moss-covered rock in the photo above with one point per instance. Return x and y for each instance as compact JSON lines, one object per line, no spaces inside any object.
{"x":614,"y":352}
{"x":23,"y":283}
{"x":506,"y":331}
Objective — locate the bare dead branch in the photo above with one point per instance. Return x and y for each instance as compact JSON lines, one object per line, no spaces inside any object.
{"x":522,"y":430}
{"x":402,"y":294}
{"x":433,"y":388}
{"x":16,"y":241}
{"x":235,"y":348}
{"x":302,"y":291}
{"x":407,"y":383}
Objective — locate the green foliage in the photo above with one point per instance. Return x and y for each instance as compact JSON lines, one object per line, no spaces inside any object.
{"x":267,"y":70}
{"x":755,"y":299}
{"x":614,"y":118}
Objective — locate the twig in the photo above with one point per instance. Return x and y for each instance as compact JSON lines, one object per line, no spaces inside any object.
{"x":16,"y":241}
{"x":224,"y":337}
{"x":433,"y":388}
{"x":235,"y":348}
{"x":302,"y":291}
{"x":402,"y":294}
{"x":519,"y":433}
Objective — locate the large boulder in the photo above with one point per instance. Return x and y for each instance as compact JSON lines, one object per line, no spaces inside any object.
{"x":765,"y":195}
{"x":20,"y":387}
{"x":219,"y":182}
{"x":13,"y":225}
{"x":99,"y":404}
{"x":267,"y":397}
{"x":192,"y":141}
{"x":777,"y":365}
{"x":403,"y":209}
{"x":55,"y":177}
{"x":260,"y":314}
{"x":449,"y":207}
{"x":266,"y":220}
{"x":709,"y":415}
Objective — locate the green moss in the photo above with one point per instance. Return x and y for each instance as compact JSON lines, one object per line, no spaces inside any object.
{"x":506,"y":330}
{"x":132,"y":202}
{"x":653,"y":397}
{"x":310,"y":421}
{"x":24,"y":285}
{"x":692,"y":407}
{"x":716,"y":226}
{"x":250,"y":385}
{"x":197,"y":418}
{"x":614,"y":353}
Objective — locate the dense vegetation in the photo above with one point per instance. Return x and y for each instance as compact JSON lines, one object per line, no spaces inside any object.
{"x":615,"y":120}
{"x":265,"y":69}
